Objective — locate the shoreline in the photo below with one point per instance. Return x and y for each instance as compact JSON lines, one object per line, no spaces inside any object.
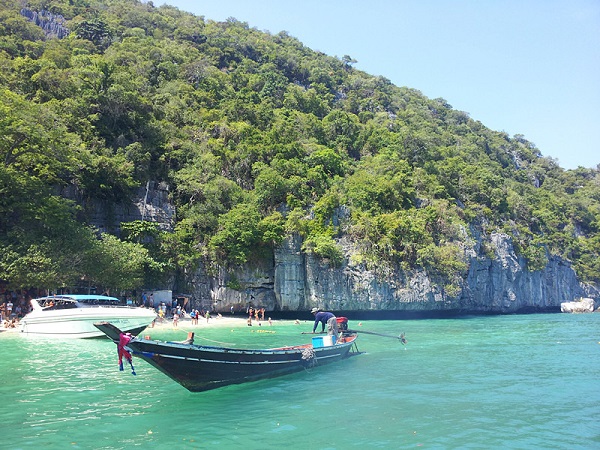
{"x":213,"y":321}
{"x":185,"y":324}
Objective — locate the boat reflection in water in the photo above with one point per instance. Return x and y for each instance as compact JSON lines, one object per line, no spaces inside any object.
{"x":73,"y":316}
{"x":201,"y":368}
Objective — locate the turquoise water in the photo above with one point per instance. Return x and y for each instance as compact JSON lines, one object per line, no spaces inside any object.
{"x":523,"y":382}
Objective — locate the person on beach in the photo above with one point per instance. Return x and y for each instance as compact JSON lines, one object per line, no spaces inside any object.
{"x":325,"y":318}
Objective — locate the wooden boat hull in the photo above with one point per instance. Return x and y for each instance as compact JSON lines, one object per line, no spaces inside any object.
{"x":201,"y":368}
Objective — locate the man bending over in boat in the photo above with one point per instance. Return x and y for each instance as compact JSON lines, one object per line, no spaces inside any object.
{"x":325,"y":317}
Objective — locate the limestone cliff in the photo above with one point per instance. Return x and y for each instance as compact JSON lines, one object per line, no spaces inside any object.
{"x":497,"y":281}
{"x":52,"y":24}
{"x":151,"y":203}
{"x":296,"y":281}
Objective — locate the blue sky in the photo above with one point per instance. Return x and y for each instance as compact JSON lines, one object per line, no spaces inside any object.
{"x":529,"y":67}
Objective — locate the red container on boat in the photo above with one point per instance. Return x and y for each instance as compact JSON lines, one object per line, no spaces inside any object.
{"x":342,"y":323}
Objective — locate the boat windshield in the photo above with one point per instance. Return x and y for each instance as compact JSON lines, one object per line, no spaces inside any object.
{"x":99,"y":301}
{"x":76,"y":301}
{"x":56,"y":303}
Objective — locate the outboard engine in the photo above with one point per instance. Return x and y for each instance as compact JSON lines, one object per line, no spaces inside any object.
{"x":342,"y":323}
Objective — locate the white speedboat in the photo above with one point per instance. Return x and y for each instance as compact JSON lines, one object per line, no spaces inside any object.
{"x":73,"y":316}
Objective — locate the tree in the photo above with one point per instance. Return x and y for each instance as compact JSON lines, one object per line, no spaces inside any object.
{"x":33,"y":138}
{"x":116,"y":264}
{"x":96,"y":31}
{"x":271,"y":187}
{"x":238,"y":234}
{"x":42,"y":243}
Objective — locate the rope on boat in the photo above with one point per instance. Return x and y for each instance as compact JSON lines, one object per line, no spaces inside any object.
{"x":309,"y":357}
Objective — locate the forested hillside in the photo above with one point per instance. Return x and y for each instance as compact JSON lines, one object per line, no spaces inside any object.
{"x":258,"y":137}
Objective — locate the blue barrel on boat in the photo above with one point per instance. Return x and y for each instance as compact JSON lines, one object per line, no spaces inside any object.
{"x":317,"y":342}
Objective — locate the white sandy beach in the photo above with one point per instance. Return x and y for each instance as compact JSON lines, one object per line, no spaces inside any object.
{"x":215,"y":321}
{"x":185,"y":324}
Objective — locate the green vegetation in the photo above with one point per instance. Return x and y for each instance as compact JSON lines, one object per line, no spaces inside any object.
{"x":258,"y":136}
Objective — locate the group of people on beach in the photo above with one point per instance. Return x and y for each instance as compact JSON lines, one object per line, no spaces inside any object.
{"x":12,"y":308}
{"x":9,"y":323}
{"x":195,"y":315}
{"x":179,"y":313}
{"x":258,"y":314}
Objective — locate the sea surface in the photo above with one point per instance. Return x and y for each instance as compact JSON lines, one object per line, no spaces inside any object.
{"x":495,"y":382}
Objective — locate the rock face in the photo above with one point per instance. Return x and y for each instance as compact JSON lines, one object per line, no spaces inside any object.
{"x":503,"y":284}
{"x":497,"y":280}
{"x":249,"y":286}
{"x":296,"y":281}
{"x":582,"y":306}
{"x":52,"y":24}
{"x":151,"y":203}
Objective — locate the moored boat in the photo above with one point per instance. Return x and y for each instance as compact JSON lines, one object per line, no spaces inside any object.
{"x":201,"y":368}
{"x":73,"y":316}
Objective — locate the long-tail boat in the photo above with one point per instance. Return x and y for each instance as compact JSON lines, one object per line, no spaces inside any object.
{"x":201,"y":368}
